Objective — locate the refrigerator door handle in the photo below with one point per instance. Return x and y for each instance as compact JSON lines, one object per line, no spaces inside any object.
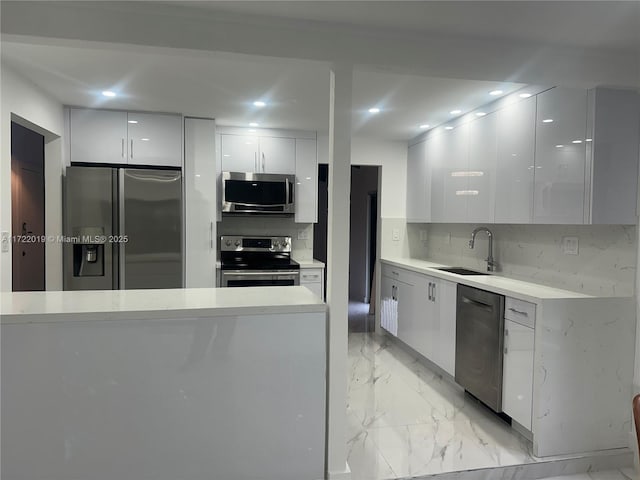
{"x":121,"y":232}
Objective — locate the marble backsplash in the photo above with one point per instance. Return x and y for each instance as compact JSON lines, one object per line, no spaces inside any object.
{"x":301,"y":233}
{"x":605,"y":264}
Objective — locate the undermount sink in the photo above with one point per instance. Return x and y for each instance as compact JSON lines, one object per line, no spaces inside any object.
{"x":460,"y":271}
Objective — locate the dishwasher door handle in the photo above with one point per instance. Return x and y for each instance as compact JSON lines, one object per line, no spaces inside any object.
{"x":475,"y":303}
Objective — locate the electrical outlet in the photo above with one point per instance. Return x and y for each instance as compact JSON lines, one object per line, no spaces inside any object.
{"x":303,"y":235}
{"x":423,"y":235}
{"x":5,"y":241}
{"x":447,"y":238}
{"x":395,"y":235}
{"x":570,"y":245}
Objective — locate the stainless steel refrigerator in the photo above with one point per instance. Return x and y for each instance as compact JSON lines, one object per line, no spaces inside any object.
{"x":123,"y":228}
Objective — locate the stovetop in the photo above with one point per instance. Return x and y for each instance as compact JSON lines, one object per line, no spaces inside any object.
{"x":257,"y":261}
{"x":240,"y":252}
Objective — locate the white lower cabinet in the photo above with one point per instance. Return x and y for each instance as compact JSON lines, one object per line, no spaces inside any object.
{"x":396,"y":301}
{"x":446,"y":298}
{"x":421,"y":311}
{"x":313,"y":279}
{"x":517,"y":382}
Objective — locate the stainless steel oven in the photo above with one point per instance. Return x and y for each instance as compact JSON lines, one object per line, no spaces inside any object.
{"x":257,"y":193}
{"x":250,"y":261}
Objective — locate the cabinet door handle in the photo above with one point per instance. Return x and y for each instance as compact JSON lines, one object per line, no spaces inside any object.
{"x":395,"y":273}
{"x":263,"y":170}
{"x":506,"y":351}
{"x":132,"y":148}
{"x":122,"y":154}
{"x":211,"y":235}
{"x":429,"y":291}
{"x":518,"y":312}
{"x":433,"y":293}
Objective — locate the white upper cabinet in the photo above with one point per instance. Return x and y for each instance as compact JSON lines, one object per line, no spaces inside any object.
{"x":418,"y":184}
{"x":516,"y":126}
{"x":612,"y":156}
{"x":306,"y":188}
{"x":277,"y":155}
{"x":111,"y":137}
{"x":242,"y":153}
{"x":435,"y":154}
{"x":154,"y":139}
{"x":481,"y":169}
{"x":98,"y":136}
{"x":239,"y":153}
{"x":200,"y":198}
{"x":454,"y":167}
{"x":561,"y":124}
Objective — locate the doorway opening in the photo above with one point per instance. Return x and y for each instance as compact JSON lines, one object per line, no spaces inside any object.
{"x":27,"y":209}
{"x":363,"y":245}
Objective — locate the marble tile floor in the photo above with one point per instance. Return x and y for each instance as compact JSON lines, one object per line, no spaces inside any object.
{"x":406,"y":421}
{"x":359,"y":318}
{"x":620,"y":474}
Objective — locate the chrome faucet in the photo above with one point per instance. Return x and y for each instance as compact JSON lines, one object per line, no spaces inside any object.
{"x":491,"y":264}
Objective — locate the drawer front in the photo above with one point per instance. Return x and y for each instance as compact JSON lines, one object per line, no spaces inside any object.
{"x":520,"y":312}
{"x":310,"y":275}
{"x":400,"y":274}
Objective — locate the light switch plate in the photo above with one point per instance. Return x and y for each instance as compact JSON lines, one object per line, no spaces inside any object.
{"x":395,"y":235}
{"x":423,"y":235}
{"x":570,"y":245}
{"x":5,"y":241}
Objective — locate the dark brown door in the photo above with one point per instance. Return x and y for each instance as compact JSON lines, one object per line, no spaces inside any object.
{"x":27,"y":208}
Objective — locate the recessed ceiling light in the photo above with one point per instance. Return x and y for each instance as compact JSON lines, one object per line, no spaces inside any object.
{"x":547,"y":120}
{"x":254,"y":124}
{"x":455,"y":112}
{"x":374,"y":110}
{"x":588,"y":140}
{"x":496,"y":92}
{"x":448,"y":127}
{"x":480,"y":114}
{"x":132,"y":121}
{"x":524,"y":95}
{"x":108,"y":93}
{"x":424,"y":125}
{"x":259,"y":103}
{"x":559,"y":146}
{"x":577,"y":141}
{"x":144,"y":139}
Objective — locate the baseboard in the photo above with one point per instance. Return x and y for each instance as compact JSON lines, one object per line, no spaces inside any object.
{"x":340,"y":475}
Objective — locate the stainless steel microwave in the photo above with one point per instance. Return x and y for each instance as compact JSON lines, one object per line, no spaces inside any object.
{"x":258,"y":193}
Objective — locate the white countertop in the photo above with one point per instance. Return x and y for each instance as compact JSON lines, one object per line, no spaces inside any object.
{"x":29,"y":307}
{"x":530,"y":292}
{"x":312,"y":263}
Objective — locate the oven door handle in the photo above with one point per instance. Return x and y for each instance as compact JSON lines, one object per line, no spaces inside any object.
{"x":266,"y":272}
{"x":261,"y":204}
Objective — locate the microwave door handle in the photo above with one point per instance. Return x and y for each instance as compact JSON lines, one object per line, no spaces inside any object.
{"x":289,"y":201}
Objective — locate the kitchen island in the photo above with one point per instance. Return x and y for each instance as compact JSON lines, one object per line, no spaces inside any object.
{"x":164,"y":384}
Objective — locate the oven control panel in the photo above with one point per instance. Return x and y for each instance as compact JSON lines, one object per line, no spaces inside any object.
{"x":240,"y":243}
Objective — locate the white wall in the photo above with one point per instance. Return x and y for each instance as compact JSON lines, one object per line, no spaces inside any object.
{"x":392,"y":157}
{"x":34,"y":109}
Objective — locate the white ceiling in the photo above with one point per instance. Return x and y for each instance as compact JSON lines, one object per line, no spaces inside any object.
{"x":224,"y":86}
{"x":576,"y":23}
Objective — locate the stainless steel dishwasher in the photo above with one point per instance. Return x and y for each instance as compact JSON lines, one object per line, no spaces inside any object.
{"x":479,"y":343}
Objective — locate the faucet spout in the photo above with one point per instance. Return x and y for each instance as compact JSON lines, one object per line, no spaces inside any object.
{"x":491,"y":264}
